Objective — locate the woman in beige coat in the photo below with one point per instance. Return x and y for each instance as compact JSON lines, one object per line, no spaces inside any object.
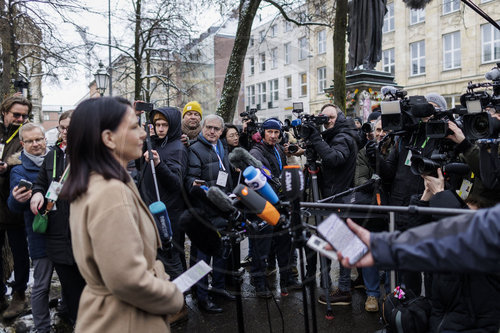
{"x":114,"y":235}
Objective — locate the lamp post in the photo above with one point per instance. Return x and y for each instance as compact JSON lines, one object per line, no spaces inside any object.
{"x":101,"y":79}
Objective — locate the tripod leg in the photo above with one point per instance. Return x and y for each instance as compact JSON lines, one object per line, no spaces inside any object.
{"x":239,"y":302}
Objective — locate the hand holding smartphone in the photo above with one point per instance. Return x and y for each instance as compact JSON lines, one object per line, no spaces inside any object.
{"x":26,"y":184}
{"x":338,"y":234}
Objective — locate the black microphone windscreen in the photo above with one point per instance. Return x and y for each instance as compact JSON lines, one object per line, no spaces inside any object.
{"x":493,"y":75}
{"x":293,"y":182}
{"x":422,"y":110}
{"x":220,"y":199}
{"x":416,"y":4}
{"x":241,"y":159}
{"x":388,"y":90}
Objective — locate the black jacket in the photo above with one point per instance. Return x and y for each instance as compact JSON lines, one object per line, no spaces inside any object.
{"x":204,"y":164}
{"x":171,"y":170}
{"x":267,"y":155}
{"x":58,"y":235}
{"x":338,"y":148}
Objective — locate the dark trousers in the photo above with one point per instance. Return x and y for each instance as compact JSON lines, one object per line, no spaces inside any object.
{"x":19,"y":248}
{"x":261,"y":245}
{"x":218,"y":275}
{"x":72,"y":284}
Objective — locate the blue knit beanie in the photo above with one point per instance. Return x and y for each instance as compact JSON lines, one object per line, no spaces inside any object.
{"x":272,"y":123}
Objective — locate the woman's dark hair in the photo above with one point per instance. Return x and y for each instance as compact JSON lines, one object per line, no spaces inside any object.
{"x":227,"y":127}
{"x":86,"y":150}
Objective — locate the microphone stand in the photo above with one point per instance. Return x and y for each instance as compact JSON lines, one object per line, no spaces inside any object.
{"x":313,"y":170}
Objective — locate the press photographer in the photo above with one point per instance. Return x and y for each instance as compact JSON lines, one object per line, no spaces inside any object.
{"x":250,"y":128}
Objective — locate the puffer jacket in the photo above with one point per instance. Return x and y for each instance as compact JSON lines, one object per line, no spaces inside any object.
{"x":338,"y":148}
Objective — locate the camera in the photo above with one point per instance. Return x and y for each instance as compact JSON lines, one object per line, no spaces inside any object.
{"x":143,"y":106}
{"x":401,"y":113}
{"x":302,"y":125}
{"x":368,"y":127}
{"x":250,"y":116}
{"x":428,"y":166}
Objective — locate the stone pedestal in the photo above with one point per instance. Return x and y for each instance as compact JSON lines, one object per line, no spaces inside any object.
{"x":363,"y":81}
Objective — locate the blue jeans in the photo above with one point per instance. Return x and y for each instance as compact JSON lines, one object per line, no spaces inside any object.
{"x":218,"y":275}
{"x":371,"y":279}
{"x":19,"y":247}
{"x":344,"y":279}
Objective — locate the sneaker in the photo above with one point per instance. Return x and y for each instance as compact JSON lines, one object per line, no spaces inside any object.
{"x":17,"y":305}
{"x":337,"y":297}
{"x":292,"y":284}
{"x":358,"y":283}
{"x":371,"y":304}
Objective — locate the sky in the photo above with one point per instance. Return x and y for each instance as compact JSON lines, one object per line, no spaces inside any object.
{"x":71,"y":88}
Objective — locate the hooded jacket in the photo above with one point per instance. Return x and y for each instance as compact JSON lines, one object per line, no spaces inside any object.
{"x":171,"y":170}
{"x":338,"y":148}
{"x":9,"y":219}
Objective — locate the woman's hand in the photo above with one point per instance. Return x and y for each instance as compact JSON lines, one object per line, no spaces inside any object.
{"x":36,"y":202}
{"x":364,"y":235}
{"x":21,"y":194}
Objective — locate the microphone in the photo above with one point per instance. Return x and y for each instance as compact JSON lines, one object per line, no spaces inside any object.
{"x":388,"y":90}
{"x":493,"y":75}
{"x":293,"y":182}
{"x":159,"y":211}
{"x":221,"y":200}
{"x":257,"y":204}
{"x":197,"y":226}
{"x":416,"y":4}
{"x":240,"y":159}
{"x":258,"y":182}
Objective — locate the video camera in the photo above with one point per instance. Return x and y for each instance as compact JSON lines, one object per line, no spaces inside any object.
{"x":401,"y":113}
{"x":302,"y":125}
{"x":477,"y":123}
{"x":250,"y":117}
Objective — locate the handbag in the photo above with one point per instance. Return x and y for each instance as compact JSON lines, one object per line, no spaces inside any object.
{"x":404,"y":312}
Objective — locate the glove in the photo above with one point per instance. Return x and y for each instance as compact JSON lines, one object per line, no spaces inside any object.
{"x":371,"y":151}
{"x":309,"y":131}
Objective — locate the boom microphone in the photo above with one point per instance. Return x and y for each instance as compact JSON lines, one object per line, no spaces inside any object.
{"x":258,"y":182}
{"x":220,"y":199}
{"x":493,"y":75}
{"x":240,"y":159}
{"x":388,"y":90}
{"x":257,"y":204}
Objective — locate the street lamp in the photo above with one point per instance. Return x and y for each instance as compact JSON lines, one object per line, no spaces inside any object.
{"x":101,"y":79}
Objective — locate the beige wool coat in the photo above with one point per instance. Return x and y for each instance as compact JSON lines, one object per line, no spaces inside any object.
{"x":114,"y":243}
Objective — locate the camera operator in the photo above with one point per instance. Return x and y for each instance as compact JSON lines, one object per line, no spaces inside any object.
{"x":397,"y":170}
{"x":337,"y":147}
{"x":272,"y":156}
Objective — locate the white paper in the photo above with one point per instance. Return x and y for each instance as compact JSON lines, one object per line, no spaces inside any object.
{"x":187,"y":279}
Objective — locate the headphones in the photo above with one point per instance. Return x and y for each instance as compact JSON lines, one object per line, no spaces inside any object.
{"x":262,"y":131}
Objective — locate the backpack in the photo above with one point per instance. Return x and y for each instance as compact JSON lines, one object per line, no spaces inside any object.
{"x":409,"y":314}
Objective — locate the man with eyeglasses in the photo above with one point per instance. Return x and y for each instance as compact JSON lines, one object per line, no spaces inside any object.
{"x":30,"y":159}
{"x":209,"y":164}
{"x":14,"y":112}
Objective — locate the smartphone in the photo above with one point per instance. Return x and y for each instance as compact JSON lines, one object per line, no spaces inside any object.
{"x":337,"y":233}
{"x":26,"y":184}
{"x":318,"y":245}
{"x":200,"y":182}
{"x":143,"y":106}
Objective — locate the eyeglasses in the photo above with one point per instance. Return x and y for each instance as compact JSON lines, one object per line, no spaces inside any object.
{"x":37,"y":140}
{"x":19,"y":115}
{"x":212,"y":128}
{"x":62,"y":128}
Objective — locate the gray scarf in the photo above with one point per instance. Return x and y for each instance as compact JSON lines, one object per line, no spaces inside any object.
{"x":38,"y":160}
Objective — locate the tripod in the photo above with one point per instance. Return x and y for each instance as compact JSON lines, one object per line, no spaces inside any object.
{"x":312,"y":172}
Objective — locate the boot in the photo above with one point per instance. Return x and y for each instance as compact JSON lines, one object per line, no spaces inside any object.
{"x":17,"y":305}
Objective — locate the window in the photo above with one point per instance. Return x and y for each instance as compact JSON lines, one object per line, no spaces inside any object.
{"x":303,"y":51}
{"x":274,"y":57}
{"x":450,"y":6}
{"x":288,"y":84}
{"x":484,"y":1}
{"x":388,"y":61}
{"x":262,"y":58}
{"x":287,"y":53}
{"x":288,"y":26}
{"x":46,"y":116}
{"x":303,"y":84}
{"x":417,"y":54}
{"x":417,"y":16}
{"x":252,"y":65}
{"x":252,"y":41}
{"x":251,"y":95}
{"x":321,"y":80}
{"x":490,"y":43}
{"x":274,"y":30}
{"x":262,"y":35}
{"x":273,"y":90}
{"x":262,"y":94}
{"x":302,"y":17}
{"x":451,"y":50}
{"x":322,"y":41}
{"x":389,"y":18}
